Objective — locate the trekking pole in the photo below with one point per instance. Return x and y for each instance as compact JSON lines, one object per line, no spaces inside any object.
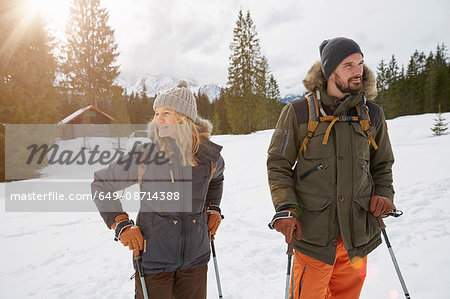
{"x":395,"y":213}
{"x":290,"y":253}
{"x":137,"y":258}
{"x":216,"y":267}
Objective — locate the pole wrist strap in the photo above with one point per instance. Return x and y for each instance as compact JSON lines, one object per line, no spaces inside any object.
{"x":282,"y":215}
{"x":120,"y":227}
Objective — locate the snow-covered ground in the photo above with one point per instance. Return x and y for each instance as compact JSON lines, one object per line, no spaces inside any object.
{"x":72,"y":255}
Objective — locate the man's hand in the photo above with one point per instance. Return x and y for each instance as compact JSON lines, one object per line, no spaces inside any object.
{"x":286,"y":226}
{"x":380,"y":205}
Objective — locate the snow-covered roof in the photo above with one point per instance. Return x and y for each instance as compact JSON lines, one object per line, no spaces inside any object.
{"x":81,"y":111}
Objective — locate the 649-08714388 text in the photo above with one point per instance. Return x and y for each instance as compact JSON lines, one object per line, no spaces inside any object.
{"x":60,"y":196}
{"x":156,"y":196}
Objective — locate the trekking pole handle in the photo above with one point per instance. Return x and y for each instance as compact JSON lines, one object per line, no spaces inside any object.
{"x":138,"y":259}
{"x":395,"y":213}
{"x":290,"y":249}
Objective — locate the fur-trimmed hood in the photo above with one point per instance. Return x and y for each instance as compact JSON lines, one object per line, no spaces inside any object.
{"x":203,"y":125}
{"x":315,"y":80}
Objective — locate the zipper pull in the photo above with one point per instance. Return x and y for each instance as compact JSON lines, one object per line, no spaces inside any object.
{"x":366,"y":170}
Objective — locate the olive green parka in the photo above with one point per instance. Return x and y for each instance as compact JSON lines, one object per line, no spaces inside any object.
{"x":333,"y":183}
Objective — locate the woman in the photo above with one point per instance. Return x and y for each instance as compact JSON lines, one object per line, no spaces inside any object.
{"x":171,"y":234}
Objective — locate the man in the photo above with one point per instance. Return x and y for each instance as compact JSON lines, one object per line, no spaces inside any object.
{"x":330,"y":180}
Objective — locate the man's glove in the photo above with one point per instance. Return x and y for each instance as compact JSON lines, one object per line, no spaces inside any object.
{"x":380,"y":205}
{"x":286,"y":222}
{"x":214,"y":219}
{"x":128,"y":233}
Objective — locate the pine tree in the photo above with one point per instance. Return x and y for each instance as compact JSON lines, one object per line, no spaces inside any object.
{"x":132,"y":107}
{"x":119,"y":106}
{"x":412,"y":94}
{"x":430,"y":85}
{"x":90,"y":53}
{"x":273,"y":102}
{"x":440,"y":126}
{"x":204,"y":106}
{"x":27,"y":71}
{"x":443,"y":77}
{"x":393,"y":96}
{"x":420,"y":89}
{"x":262,"y":110}
{"x":27,"y":67}
{"x":392,"y":71}
{"x":220,"y":119}
{"x":144,"y":110}
{"x":382,"y":85}
{"x":242,"y":100}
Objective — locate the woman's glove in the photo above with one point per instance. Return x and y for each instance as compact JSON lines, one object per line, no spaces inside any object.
{"x":128,"y":233}
{"x":214,"y":219}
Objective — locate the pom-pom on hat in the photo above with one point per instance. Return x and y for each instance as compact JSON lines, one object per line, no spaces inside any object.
{"x":180,"y":99}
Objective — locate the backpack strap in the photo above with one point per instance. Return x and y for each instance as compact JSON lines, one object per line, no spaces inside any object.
{"x":142,"y":167}
{"x":333,"y":119}
{"x":313,"y":120}
{"x":364,"y":121}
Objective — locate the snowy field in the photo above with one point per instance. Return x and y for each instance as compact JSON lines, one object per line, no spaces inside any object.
{"x":72,"y":255}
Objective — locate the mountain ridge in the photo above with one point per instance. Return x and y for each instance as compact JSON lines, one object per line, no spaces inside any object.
{"x":156,"y":84}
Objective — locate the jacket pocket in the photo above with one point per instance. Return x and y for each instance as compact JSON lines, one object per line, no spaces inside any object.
{"x":200,"y":182}
{"x":197,"y":237}
{"x":279,"y":142}
{"x":164,"y":240}
{"x":312,"y":166}
{"x":360,"y":140}
{"x":314,"y":148}
{"x":318,"y":167}
{"x":314,"y":220}
{"x":365,"y":225}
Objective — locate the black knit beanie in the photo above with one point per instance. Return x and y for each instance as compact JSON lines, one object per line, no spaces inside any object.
{"x":333,"y":51}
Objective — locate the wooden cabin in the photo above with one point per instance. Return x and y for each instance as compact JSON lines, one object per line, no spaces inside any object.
{"x":86,"y":122}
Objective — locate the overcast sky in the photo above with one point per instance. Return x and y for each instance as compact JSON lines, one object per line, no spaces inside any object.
{"x":191,"y":38}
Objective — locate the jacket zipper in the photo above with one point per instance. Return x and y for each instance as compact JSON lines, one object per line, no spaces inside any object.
{"x":366,"y":170}
{"x":182,"y":220}
{"x":311,"y":171}
{"x":183,"y":247}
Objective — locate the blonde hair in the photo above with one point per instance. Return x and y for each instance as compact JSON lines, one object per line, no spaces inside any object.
{"x":188,"y":146}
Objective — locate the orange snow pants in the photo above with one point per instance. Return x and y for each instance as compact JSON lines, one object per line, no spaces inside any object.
{"x":314,"y":279}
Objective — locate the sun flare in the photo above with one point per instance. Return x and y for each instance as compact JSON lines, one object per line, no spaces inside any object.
{"x":55,"y":11}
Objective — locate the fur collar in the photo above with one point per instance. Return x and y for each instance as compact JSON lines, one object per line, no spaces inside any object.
{"x":203,"y":125}
{"x":315,"y":80}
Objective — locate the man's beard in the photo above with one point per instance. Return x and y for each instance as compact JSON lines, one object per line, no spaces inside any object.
{"x":347,"y":88}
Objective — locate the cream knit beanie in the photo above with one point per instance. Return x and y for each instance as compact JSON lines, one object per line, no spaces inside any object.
{"x":180,"y":99}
